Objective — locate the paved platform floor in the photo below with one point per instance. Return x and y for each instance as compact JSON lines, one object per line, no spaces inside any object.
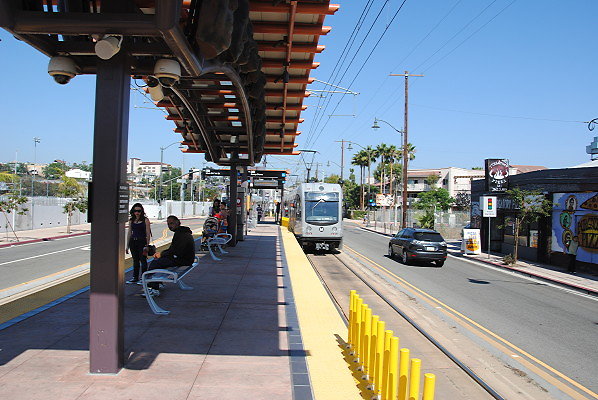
{"x":236,"y":336}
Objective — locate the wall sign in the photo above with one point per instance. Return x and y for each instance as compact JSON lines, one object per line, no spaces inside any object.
{"x":123,"y":203}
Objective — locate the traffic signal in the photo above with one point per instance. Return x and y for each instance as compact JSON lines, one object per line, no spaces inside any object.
{"x":190,"y":175}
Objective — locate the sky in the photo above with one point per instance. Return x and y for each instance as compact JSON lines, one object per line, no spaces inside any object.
{"x":502,"y":79}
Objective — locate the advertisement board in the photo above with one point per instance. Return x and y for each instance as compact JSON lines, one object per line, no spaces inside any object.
{"x":489,"y":206}
{"x":497,"y":174}
{"x":471,"y":243}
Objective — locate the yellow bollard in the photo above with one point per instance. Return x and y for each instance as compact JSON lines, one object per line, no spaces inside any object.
{"x":378,"y":364}
{"x":364,"y":307}
{"x":393,"y":368}
{"x":352,"y":295}
{"x":373,"y":347}
{"x":384,"y":383}
{"x":429,"y":382}
{"x":414,"y":377}
{"x":367,"y":333}
{"x":404,"y":374}
{"x":357,"y":333}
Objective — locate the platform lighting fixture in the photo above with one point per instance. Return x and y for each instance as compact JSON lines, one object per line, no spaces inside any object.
{"x":108,"y":46}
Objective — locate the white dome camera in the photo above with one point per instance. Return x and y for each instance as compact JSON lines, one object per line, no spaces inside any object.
{"x":62,"y":69}
{"x":167,"y":71}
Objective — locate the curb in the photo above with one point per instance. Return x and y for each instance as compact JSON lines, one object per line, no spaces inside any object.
{"x":572,"y":286}
{"x":45,"y":239}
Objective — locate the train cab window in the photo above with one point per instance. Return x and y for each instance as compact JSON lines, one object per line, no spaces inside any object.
{"x":322,"y":208}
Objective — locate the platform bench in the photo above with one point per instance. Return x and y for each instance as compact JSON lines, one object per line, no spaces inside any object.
{"x":217,"y":241}
{"x":170,"y":275}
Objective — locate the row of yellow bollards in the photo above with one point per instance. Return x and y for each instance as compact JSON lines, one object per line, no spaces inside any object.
{"x":391,"y":374}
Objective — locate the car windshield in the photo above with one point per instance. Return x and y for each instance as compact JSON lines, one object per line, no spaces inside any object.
{"x":321,"y":208}
{"x":428,"y":236}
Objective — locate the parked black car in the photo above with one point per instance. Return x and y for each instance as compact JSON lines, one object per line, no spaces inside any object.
{"x":418,"y":244}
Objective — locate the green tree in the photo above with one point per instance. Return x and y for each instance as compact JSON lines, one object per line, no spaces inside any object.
{"x":83,"y":166}
{"x":432,"y":180}
{"x":55,"y":170}
{"x":12,"y":201}
{"x":362,"y":160}
{"x":529,"y":205}
{"x":430,"y":201}
{"x":71,"y":189}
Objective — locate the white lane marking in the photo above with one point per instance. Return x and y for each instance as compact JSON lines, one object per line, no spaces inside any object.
{"x":86,"y":248}
{"x":42,"y":255}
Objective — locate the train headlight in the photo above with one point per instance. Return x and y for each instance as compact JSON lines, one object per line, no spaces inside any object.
{"x":308,"y":228}
{"x":334,"y":229}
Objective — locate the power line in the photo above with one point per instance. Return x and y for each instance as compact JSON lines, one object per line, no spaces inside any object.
{"x":319,"y":118}
{"x":363,"y":65}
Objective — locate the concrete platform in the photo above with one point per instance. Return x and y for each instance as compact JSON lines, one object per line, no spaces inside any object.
{"x":258,"y":325}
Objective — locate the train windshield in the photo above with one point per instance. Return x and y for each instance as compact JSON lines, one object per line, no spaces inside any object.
{"x":321,"y":208}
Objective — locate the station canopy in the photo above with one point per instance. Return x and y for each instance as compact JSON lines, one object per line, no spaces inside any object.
{"x":245,"y":64}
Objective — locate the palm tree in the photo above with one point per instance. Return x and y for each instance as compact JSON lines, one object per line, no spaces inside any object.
{"x":382,"y":151}
{"x":361,"y":159}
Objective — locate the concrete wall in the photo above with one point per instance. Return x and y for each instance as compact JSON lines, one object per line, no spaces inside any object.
{"x":49,"y":213}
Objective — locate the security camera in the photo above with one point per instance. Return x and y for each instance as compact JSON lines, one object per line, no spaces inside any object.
{"x":167,"y":71}
{"x":154,"y":88}
{"x":62,"y":69}
{"x":108,"y":46}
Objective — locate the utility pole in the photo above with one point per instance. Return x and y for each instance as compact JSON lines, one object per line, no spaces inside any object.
{"x":36,"y":140}
{"x":342,"y":142}
{"x":405,"y":151}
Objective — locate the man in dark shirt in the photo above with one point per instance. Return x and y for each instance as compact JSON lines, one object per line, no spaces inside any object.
{"x":181,"y":251}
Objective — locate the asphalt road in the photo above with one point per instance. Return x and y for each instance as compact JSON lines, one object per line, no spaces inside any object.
{"x":556,"y":326}
{"x":27,"y":262}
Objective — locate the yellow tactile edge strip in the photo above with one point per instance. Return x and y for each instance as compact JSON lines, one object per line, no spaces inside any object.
{"x":320,"y":325}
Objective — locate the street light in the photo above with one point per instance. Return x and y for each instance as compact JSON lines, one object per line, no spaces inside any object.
{"x":405,"y":164}
{"x":368,"y":151}
{"x":161,"y":167}
{"x":36,"y":140}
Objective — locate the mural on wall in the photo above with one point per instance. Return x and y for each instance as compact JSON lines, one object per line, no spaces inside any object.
{"x":576,"y":214}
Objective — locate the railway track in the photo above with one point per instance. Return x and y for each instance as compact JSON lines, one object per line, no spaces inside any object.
{"x":339,"y":276}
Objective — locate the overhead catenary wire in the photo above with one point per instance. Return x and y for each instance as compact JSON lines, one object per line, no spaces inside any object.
{"x":362,"y":66}
{"x":318,"y":120}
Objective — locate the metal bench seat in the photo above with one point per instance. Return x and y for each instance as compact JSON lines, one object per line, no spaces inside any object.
{"x":170,"y":275}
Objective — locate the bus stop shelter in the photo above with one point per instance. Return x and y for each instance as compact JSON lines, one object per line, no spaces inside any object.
{"x":232,"y":76}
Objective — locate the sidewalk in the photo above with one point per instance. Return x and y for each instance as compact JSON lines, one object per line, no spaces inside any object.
{"x":581,"y":282}
{"x":37,"y":235}
{"x":257,"y":325}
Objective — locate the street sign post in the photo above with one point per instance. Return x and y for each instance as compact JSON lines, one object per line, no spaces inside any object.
{"x":489,"y":205}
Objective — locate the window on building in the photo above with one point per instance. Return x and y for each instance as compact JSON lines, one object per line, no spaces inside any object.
{"x":445,"y":182}
{"x":416,"y":181}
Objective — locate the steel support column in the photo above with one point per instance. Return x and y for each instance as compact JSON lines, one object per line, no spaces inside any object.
{"x":106,"y":325}
{"x":233,"y":204}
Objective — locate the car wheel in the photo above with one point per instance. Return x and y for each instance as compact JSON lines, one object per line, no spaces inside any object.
{"x":405,"y":257}
{"x":439,"y":263}
{"x":391,"y":252}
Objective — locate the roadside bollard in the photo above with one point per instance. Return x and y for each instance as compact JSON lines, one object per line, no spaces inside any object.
{"x":404,"y":374}
{"x":429,"y":383}
{"x":371,"y":369}
{"x":388,"y":334}
{"x":352,"y":299}
{"x":357,"y":333}
{"x":416,"y":364}
{"x":366,"y":342}
{"x":378,"y":365}
{"x":393,"y":370}
{"x":364,"y":308}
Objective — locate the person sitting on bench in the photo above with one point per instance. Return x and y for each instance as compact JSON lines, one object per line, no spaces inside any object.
{"x":181,"y":251}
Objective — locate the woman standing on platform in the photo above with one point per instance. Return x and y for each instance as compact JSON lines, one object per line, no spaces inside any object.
{"x":215,"y":208}
{"x":139,"y":236}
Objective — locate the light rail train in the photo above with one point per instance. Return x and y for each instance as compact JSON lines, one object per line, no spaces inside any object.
{"x":315,"y":212}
